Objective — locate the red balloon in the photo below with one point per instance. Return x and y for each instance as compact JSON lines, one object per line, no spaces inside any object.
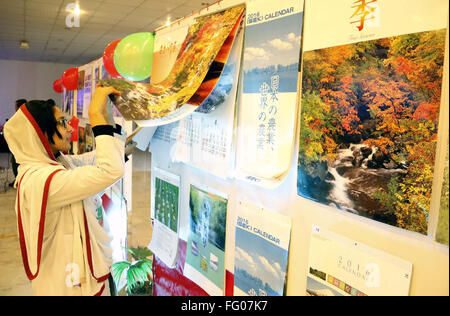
{"x":57,"y":85}
{"x":70,"y":78}
{"x":108,"y":59}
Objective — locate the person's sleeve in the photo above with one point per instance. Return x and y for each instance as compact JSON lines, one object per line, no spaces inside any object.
{"x":89,"y":157}
{"x":82,"y":159}
{"x":69,"y":186}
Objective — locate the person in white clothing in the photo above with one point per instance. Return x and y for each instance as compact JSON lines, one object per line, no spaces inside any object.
{"x":64,"y":249}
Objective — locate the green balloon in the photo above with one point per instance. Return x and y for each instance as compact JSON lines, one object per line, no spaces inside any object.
{"x":133,"y":56}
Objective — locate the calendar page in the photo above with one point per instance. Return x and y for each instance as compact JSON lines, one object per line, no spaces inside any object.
{"x":268,"y":99}
{"x":205,"y":138}
{"x":339,"y":266}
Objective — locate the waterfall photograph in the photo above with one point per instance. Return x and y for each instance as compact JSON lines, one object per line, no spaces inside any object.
{"x":368,"y":127}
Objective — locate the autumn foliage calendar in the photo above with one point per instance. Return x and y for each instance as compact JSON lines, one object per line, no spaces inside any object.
{"x":371,"y":96}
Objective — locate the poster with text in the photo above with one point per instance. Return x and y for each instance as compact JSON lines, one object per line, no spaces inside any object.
{"x":87,"y":91}
{"x":205,"y":137}
{"x":261,"y":251}
{"x":96,"y":73}
{"x":339,"y":266}
{"x":371,"y":95}
{"x":168,"y":43}
{"x":205,"y":254}
{"x":268,"y":98}
{"x":67,"y":107}
{"x":80,"y":91}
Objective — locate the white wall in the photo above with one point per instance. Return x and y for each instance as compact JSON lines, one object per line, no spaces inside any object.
{"x":27,"y":80}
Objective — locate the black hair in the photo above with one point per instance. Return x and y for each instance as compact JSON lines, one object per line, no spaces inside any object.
{"x":20,"y":102}
{"x":43,"y":113}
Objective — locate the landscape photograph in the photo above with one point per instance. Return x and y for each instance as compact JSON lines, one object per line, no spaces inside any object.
{"x":260,"y":265}
{"x":369,"y":126}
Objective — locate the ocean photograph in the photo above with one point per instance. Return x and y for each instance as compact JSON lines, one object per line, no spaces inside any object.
{"x":281,"y":38}
{"x":260,"y":266}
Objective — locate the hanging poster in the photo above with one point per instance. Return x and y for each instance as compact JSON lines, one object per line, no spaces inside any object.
{"x":261,"y":251}
{"x":205,"y":253}
{"x":168,"y":44}
{"x":165,"y":198}
{"x":97,"y":64}
{"x":371,"y":92}
{"x":202,"y":44}
{"x":80,"y":91}
{"x":165,"y":203}
{"x":442,"y":234}
{"x":205,"y":137}
{"x":87,"y":91}
{"x":67,"y":102}
{"x":268,"y":100}
{"x":339,"y":266}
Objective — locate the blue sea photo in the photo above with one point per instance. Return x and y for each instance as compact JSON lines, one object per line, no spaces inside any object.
{"x":280,"y":38}
{"x":260,"y":266}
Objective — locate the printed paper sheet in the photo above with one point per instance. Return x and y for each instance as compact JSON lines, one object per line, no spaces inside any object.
{"x":165,"y":205}
{"x":143,"y":103}
{"x":370,"y":107}
{"x":205,"y":253}
{"x":205,"y":138}
{"x":261,"y":251}
{"x":339,"y":266}
{"x":268,"y":100}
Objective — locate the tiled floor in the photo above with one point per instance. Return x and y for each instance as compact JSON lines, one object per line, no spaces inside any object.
{"x":13,"y":281}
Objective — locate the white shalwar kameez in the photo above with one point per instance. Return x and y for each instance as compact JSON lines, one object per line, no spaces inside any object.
{"x":64,"y":249}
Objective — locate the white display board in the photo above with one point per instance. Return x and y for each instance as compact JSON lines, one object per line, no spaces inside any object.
{"x":429,"y":258}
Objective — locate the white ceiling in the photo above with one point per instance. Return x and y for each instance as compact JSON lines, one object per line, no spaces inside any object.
{"x":43,"y":24}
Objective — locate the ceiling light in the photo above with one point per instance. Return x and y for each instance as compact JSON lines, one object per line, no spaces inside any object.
{"x":168,"y":21}
{"x":74,"y":8}
{"x":24,"y":44}
{"x":77,"y":10}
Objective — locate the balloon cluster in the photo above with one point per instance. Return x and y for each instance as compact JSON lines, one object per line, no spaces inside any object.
{"x":129,"y":58}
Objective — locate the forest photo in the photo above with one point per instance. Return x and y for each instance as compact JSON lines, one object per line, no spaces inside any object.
{"x":205,"y":252}
{"x":368,"y":127}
